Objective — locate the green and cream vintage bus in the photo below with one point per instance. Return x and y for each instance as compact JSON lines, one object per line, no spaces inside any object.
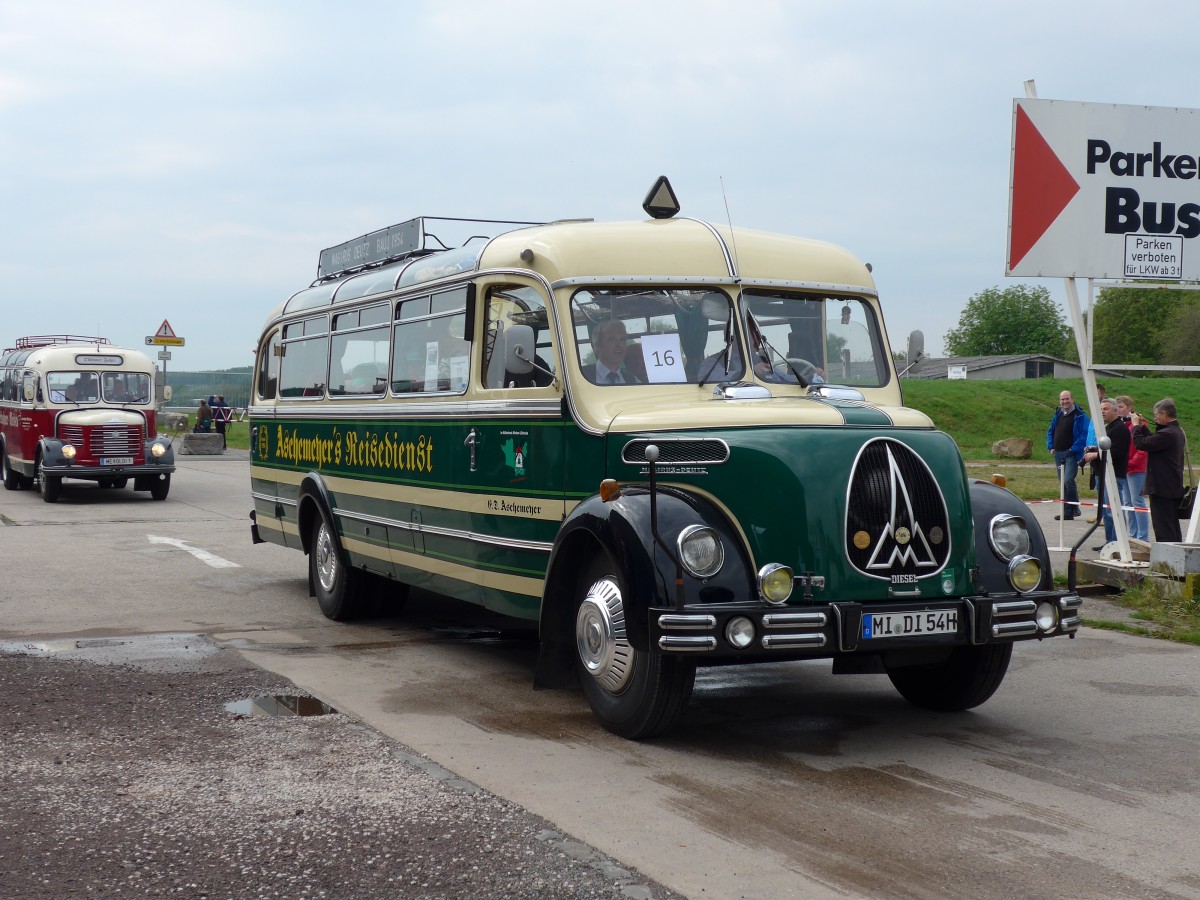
{"x":669,"y":443}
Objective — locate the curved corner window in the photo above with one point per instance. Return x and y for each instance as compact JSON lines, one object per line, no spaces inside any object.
{"x":305,"y":358}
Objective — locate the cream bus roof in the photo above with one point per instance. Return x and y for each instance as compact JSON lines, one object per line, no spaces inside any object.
{"x":88,"y":356}
{"x":674,"y":247}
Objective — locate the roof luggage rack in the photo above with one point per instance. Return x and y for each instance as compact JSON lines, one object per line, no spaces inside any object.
{"x":404,"y":241}
{"x":33,"y":341}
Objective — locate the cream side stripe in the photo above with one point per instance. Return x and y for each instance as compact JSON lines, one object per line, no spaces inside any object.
{"x":516,"y":584}
{"x":517,"y":505}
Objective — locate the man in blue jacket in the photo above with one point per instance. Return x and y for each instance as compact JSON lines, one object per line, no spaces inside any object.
{"x":1065,"y":438}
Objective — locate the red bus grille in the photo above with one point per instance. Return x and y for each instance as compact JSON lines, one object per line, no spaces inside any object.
{"x":104,"y":440}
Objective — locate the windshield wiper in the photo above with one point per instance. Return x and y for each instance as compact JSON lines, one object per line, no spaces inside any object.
{"x":723,"y":356}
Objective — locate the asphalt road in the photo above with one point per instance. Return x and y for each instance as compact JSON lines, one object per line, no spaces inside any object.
{"x":1078,"y":779}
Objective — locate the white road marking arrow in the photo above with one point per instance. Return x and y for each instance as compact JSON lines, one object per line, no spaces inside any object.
{"x":203,"y":555}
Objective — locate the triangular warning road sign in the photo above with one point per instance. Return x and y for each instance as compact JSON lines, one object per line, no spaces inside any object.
{"x":1041,"y":189}
{"x":164,"y":330}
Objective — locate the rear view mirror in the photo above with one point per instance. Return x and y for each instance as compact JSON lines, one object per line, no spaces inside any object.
{"x":29,"y":389}
{"x":167,"y":393}
{"x":518,"y":349}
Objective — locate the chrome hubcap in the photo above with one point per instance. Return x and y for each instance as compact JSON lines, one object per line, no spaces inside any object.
{"x":600,"y":636}
{"x":326,"y":559}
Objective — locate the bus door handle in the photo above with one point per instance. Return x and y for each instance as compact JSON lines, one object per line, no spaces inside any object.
{"x":471,"y":441}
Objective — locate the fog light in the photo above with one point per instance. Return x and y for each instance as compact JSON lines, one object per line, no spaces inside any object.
{"x":1047,"y":616}
{"x":740,"y":632}
{"x":158,"y":449}
{"x":775,"y":583}
{"x":68,"y":451}
{"x":1024,"y":573}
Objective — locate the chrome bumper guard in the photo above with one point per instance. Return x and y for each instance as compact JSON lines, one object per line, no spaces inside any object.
{"x":835,"y":628}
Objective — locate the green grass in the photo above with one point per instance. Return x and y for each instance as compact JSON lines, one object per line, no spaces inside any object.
{"x":1173,"y":618}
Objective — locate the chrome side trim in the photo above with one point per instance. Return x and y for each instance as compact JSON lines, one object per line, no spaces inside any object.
{"x":400,"y":409}
{"x":1013,"y":629}
{"x":699,"y":623}
{"x":820,"y":286}
{"x":688,"y":643}
{"x":783,"y":620}
{"x":792,"y":640}
{"x":456,"y":533}
{"x":271,"y":498}
{"x":1013,"y":608}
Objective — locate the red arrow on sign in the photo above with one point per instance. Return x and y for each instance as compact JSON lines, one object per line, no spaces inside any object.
{"x":1042,"y":188}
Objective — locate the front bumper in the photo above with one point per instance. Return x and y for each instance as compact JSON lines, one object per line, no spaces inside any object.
{"x":92,"y":473}
{"x":834,"y":629}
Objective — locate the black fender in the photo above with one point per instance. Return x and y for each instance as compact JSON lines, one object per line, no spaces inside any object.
{"x":50,"y":450}
{"x":988,"y":501}
{"x":313,"y":500}
{"x":621,"y":527}
{"x":167,"y":459}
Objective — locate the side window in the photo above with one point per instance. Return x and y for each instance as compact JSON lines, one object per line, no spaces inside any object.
{"x":516,"y":317}
{"x":430,"y":352}
{"x":359,"y":357}
{"x":305,"y":358}
{"x":268,"y":367}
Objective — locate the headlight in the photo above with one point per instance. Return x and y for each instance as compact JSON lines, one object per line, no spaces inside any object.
{"x":1025,"y":573}
{"x":775,"y":583}
{"x":1047,"y":616}
{"x":740,"y":632}
{"x":700,"y":551}
{"x":1009,"y":536}
{"x":68,"y":451}
{"x":158,"y":449}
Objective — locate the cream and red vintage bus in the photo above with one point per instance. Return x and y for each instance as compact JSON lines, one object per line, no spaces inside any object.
{"x":669,"y":443}
{"x":77,"y":407}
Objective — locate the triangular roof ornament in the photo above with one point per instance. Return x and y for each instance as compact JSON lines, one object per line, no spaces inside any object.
{"x":661,"y":203}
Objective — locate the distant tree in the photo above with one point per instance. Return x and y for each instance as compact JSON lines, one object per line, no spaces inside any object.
{"x":1134,"y":325}
{"x":1018,"y":319}
{"x":1179,"y":344}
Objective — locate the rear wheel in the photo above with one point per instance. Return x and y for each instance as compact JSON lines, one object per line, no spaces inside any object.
{"x":158,"y":488}
{"x":338,"y":587}
{"x":119,"y":483}
{"x":49,"y":486}
{"x":12,"y":480}
{"x":968,"y":677}
{"x":633,"y":693}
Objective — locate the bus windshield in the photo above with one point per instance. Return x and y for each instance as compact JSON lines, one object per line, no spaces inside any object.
{"x":650,"y":335}
{"x":73,"y":387}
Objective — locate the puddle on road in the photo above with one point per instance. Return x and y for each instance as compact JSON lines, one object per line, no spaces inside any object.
{"x":280,"y":705}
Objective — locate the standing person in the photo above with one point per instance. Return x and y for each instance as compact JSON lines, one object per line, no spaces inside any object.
{"x":220,"y":414}
{"x":1135,"y":477}
{"x":1164,"y":468}
{"x":1065,"y":439}
{"x":1118,"y":456}
{"x":204,"y":418}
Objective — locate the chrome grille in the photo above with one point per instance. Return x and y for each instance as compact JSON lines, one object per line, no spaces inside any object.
{"x":104,"y":440}
{"x":896,"y":520}
{"x":678,"y":451}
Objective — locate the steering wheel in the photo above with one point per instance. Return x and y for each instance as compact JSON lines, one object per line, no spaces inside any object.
{"x":787,"y":371}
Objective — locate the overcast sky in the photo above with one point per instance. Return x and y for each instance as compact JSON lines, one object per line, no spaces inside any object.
{"x":189,"y":161}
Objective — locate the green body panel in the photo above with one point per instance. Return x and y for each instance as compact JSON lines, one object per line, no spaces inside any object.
{"x":786,"y":488}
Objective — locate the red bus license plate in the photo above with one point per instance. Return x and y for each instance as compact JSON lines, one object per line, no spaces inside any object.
{"x":887,"y":625}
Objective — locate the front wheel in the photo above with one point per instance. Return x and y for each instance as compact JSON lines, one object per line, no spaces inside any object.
{"x":633,"y":693}
{"x":968,"y":677}
{"x":49,"y":486}
{"x":159,"y":488}
{"x":337,"y":587}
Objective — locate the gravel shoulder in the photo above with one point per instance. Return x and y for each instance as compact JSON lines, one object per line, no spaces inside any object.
{"x":133,"y":779}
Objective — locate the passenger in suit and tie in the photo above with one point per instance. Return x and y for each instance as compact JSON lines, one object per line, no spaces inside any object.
{"x":609,"y":343}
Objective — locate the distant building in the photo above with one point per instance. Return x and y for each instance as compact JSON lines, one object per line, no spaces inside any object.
{"x":1002,"y":368}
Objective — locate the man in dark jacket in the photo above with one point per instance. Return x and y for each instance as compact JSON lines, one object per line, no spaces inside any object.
{"x":1118,"y":453}
{"x":1065,"y":438}
{"x":1164,"y":468}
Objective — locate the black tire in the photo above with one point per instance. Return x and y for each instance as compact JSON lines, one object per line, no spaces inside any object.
{"x":160,"y":487}
{"x":12,"y":480}
{"x":105,"y":483}
{"x":963,"y":681}
{"x":338,"y":588}
{"x":49,"y":486}
{"x":633,"y":693}
{"x":119,"y":483}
